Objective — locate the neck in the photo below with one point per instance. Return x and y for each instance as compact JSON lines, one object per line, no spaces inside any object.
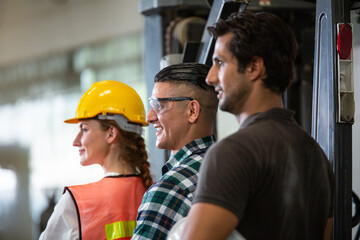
{"x":113,"y":163}
{"x":260,"y":100}
{"x":196,"y":131}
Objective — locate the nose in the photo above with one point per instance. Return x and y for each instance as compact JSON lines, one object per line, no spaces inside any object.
{"x":211,"y":78}
{"x":77,"y":140}
{"x":151,"y":117}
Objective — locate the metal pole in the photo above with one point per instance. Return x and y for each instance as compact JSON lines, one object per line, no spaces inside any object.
{"x":335,"y":138}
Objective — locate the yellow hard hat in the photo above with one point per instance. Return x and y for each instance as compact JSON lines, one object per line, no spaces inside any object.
{"x":108,"y":98}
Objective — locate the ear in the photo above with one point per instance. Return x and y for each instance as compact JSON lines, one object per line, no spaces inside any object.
{"x":193,"y":111}
{"x":111,"y":134}
{"x":256,"y":69}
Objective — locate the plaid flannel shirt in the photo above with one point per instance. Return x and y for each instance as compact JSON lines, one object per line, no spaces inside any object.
{"x":169,"y":199}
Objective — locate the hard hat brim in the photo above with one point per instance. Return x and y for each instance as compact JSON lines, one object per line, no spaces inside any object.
{"x":72,"y":120}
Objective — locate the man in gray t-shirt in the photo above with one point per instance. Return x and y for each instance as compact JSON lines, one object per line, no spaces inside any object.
{"x":269,"y":180}
{"x":279,"y":188}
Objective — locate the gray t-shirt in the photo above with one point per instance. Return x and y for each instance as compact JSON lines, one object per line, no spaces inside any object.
{"x":273,"y":176}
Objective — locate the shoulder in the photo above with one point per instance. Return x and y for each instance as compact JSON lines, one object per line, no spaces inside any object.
{"x":239,"y":152}
{"x":181,"y":179}
{"x":64,"y":221}
{"x":66,"y":205}
{"x":239,"y":141}
{"x":163,"y":197}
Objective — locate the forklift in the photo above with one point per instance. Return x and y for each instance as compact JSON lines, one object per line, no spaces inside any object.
{"x":175,"y":31}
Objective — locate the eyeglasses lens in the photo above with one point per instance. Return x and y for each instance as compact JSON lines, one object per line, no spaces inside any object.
{"x":158,"y":106}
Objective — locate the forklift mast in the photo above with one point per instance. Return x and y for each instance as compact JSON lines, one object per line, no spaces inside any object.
{"x":332,"y":122}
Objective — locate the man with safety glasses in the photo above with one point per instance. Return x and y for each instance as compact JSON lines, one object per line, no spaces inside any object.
{"x":183,"y":111}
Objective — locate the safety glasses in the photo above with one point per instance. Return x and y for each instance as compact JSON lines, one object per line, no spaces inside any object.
{"x":161,"y":105}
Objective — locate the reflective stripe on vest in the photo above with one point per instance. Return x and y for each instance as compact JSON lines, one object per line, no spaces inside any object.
{"x":120,"y":229}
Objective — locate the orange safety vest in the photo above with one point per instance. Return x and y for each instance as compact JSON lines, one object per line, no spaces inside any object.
{"x":107,"y":209}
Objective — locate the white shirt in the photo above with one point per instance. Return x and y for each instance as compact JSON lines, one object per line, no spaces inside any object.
{"x":63,"y":223}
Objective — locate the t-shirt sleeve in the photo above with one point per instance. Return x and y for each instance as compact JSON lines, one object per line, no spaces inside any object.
{"x":226,"y":177}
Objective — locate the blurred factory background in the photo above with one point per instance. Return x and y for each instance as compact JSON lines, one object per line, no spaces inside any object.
{"x":51,"y":51}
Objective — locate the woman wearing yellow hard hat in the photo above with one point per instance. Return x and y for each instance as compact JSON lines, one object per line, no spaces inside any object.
{"x":110,"y":116}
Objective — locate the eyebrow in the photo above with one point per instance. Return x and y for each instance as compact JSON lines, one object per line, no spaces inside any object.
{"x":216,"y":58}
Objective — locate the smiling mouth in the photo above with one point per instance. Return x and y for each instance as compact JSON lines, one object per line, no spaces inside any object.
{"x":218,"y":89}
{"x":158,"y":130}
{"x":219,"y":94}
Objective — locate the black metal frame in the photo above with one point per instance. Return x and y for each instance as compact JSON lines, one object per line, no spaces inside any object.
{"x":220,"y":9}
{"x":335,"y":138}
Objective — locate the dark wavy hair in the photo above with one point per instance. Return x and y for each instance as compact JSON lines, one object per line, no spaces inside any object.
{"x":261,"y":35}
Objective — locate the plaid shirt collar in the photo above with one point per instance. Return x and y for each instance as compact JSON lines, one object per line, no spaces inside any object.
{"x":198,"y":145}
